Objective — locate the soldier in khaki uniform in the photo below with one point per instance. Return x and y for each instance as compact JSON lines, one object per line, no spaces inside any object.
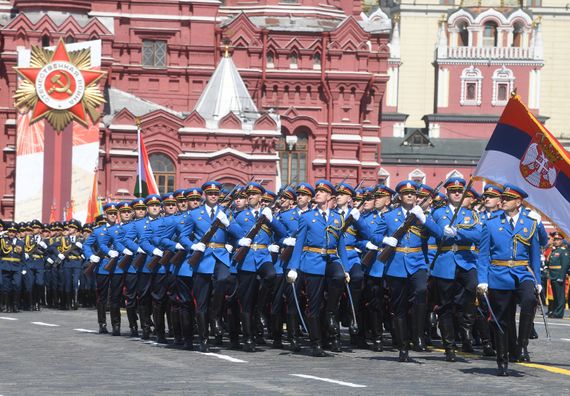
{"x":557,"y":265}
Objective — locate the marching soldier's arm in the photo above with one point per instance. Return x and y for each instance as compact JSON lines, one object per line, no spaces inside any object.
{"x":185,"y":232}
{"x":129,"y":236}
{"x":88,"y":245}
{"x":236,"y":230}
{"x":534,"y":256}
{"x":294,"y":262}
{"x":484,"y":257}
{"x":380,"y":232}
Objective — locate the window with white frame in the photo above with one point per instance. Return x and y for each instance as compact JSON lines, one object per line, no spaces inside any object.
{"x":270,"y":60}
{"x":294,"y":61}
{"x":503,"y":83}
{"x":453,"y":173}
{"x":384,"y":177}
{"x":418,"y":176}
{"x":471,"y":79}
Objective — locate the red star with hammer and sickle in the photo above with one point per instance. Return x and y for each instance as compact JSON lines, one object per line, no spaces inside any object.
{"x":31,"y":74}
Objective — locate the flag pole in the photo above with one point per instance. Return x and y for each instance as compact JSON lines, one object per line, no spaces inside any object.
{"x":138,"y":122}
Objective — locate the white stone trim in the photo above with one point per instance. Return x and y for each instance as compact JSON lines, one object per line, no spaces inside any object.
{"x":371,"y":139}
{"x":345,"y":138}
{"x":246,"y":156}
{"x":234,"y":132}
{"x":370,"y":163}
{"x":152,"y":16}
{"x":502,"y":76}
{"x":417,"y":173}
{"x":9,"y":149}
{"x":123,"y":127}
{"x":122,"y":153}
{"x":443,"y":87}
{"x":453,"y":173}
{"x":10,"y":121}
{"x":471,"y":75}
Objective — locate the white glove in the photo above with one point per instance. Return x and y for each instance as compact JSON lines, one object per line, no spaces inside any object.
{"x":140,"y":250}
{"x":24,"y":272}
{"x":289,"y":241}
{"x":93,"y":258}
{"x":127,"y":252}
{"x":27,"y":256}
{"x":198,"y":246}
{"x":179,"y":246}
{"x":355,"y":213}
{"x":347,"y":277}
{"x":535,"y":216}
{"x":291,"y":276}
{"x":223,"y":218}
{"x":542,"y":258}
{"x":244,"y":242}
{"x":449,"y":231}
{"x":539,"y":288}
{"x":61,"y":256}
{"x":483,"y":288}
{"x":157,"y":252}
{"x":42,"y":244}
{"x":267,"y":213}
{"x":419,"y":213}
{"x":113,"y":253}
{"x":79,"y":245}
{"x":49,"y":260}
{"x":371,"y":246}
{"x":273,"y":248}
{"x":229,"y":248}
{"x":390,"y":241}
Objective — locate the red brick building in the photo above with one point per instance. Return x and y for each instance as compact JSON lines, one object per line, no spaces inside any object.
{"x":298,"y":96}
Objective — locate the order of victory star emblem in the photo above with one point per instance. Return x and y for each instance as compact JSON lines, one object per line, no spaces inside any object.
{"x":59,"y":86}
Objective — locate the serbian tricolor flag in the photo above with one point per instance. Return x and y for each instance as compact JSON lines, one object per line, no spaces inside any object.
{"x":523,"y":152}
{"x":146,"y":184}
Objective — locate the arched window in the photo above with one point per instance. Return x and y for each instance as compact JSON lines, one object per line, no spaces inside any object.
{"x":270,"y":60}
{"x":292,"y":150}
{"x":463,"y":34}
{"x":164,"y":172}
{"x":490,"y":34}
{"x":317,"y":61}
{"x":503,"y":84}
{"x":518,"y":31}
{"x":471,"y":79}
{"x":294,"y":61}
{"x":453,"y":173}
{"x":418,"y":176}
{"x":70,"y":40}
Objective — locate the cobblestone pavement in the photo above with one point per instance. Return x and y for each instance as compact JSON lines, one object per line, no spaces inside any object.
{"x":59,"y":353}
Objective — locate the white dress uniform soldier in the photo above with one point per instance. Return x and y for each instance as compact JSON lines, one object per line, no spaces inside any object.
{"x":509,"y":261}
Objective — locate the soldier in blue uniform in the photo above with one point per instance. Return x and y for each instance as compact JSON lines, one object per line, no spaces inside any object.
{"x":283,"y":298}
{"x":212,"y":274}
{"x":11,"y":259}
{"x":256,"y":274}
{"x":373,"y":292}
{"x":99,"y":249}
{"x":320,"y":255}
{"x":35,"y":247}
{"x":508,"y":263}
{"x":407,"y":268}
{"x":455,"y":269}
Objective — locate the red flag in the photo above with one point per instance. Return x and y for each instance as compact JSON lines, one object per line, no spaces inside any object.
{"x":93,"y":205}
{"x":52,"y":214}
{"x":145,"y":183}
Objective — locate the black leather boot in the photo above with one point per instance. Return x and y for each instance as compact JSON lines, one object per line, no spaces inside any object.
{"x":234,"y":327}
{"x":187,"y":329}
{"x":144,"y":316}
{"x":277,"y":331}
{"x":501,"y":342}
{"x":315,"y":337}
{"x":418,"y":323}
{"x":115,"y":313}
{"x":333,"y":329}
{"x":203,"y":328}
{"x":247,"y":328}
{"x":376,"y":331}
{"x":448,"y":337}
{"x":525,"y":329}
{"x":401,"y":333}
{"x":159,"y":323}
{"x":102,"y":319}
{"x":293,"y":333}
{"x":466,"y":327}
{"x":132,"y":318}
{"x":176,"y":328}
